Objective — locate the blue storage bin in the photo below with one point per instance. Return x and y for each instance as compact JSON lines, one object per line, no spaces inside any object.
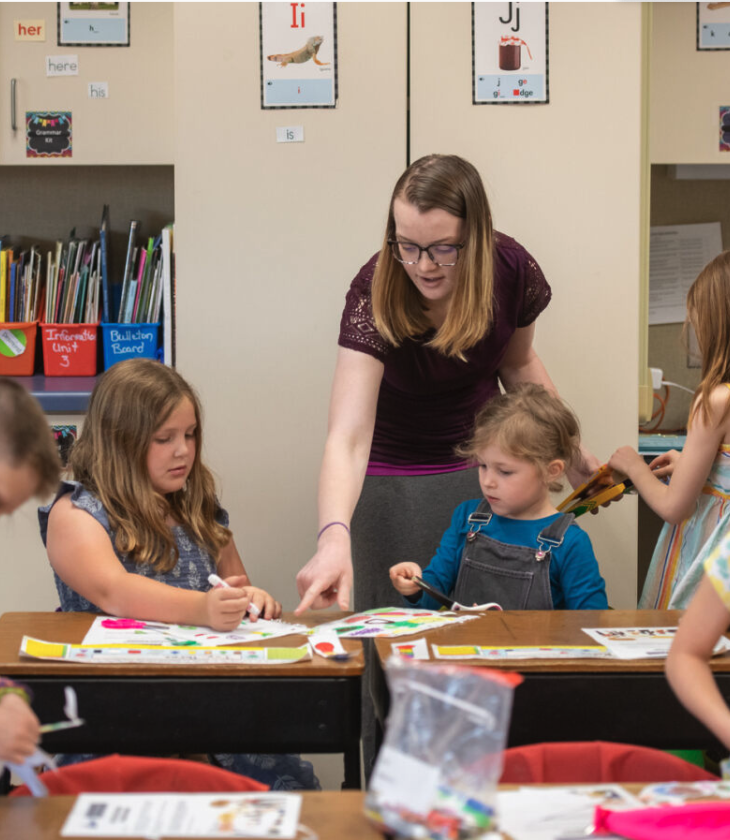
{"x":129,"y":341}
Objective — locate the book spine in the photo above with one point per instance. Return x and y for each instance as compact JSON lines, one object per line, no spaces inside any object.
{"x":167,"y":296}
{"x":3,"y":285}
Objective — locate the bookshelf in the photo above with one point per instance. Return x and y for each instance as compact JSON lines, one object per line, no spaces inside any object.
{"x":40,"y":205}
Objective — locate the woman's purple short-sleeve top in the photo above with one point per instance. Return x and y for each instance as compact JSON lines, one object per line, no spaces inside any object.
{"x":427,"y":401}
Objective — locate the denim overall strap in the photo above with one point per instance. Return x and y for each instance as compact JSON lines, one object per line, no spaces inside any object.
{"x":553,"y":536}
{"x":517,"y":577}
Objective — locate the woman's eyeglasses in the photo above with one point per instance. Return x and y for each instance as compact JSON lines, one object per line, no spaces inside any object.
{"x":410,"y":254}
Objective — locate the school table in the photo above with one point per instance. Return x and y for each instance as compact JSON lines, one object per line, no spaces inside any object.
{"x":627,"y":701}
{"x":332,"y":815}
{"x":147,"y":709}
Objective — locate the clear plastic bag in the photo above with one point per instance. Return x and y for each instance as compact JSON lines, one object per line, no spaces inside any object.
{"x":437,"y":772}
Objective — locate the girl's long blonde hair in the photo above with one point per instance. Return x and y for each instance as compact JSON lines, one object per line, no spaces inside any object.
{"x":129,"y":403}
{"x":708,"y":312}
{"x":450,"y":183}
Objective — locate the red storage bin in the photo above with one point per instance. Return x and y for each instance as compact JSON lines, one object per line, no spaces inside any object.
{"x":17,"y":348}
{"x":69,"y":349}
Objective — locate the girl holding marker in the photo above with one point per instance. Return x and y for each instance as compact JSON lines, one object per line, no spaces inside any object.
{"x":140,"y":530}
{"x":512,"y":546}
{"x":695,"y":503}
{"x":29,"y":466}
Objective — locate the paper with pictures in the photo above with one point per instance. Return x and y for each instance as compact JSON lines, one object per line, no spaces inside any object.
{"x":677,"y":254}
{"x":124,"y":631}
{"x":557,"y":812}
{"x":641,"y":642}
{"x":161,"y":655}
{"x":417,"y":649}
{"x":184,"y":815}
{"x":298,"y":55}
{"x":392,"y":621}
{"x":451,"y":652}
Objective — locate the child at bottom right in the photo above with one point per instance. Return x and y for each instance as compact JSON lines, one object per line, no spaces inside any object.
{"x":688,"y":665}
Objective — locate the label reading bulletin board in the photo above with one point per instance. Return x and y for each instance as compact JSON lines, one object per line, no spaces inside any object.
{"x":509,"y":53}
{"x":48,"y":134}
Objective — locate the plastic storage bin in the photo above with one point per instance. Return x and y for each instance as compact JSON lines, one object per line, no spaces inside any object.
{"x":129,"y":341}
{"x":69,"y":349}
{"x":17,"y":348}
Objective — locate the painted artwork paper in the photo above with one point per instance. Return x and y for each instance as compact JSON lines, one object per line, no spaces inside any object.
{"x":132,"y":631}
{"x":392,"y":621}
{"x":642,"y":642}
{"x":298,"y":43}
{"x":184,"y":815}
{"x":451,"y":652}
{"x":510,"y":53}
{"x":161,"y":655}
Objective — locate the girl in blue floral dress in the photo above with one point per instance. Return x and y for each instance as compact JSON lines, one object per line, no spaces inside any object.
{"x":140,"y":529}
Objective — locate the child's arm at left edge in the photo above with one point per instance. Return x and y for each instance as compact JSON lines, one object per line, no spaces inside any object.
{"x":687,"y":667}
{"x":231,"y":569}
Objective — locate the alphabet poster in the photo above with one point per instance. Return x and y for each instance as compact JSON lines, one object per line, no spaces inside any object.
{"x":510,"y":53}
{"x":713,"y":26}
{"x":298,"y":55}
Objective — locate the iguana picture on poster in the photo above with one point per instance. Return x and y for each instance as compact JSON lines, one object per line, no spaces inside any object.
{"x":510,"y":53}
{"x":298,"y":55}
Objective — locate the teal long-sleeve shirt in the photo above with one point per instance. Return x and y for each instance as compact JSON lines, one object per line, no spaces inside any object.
{"x":575,"y":579}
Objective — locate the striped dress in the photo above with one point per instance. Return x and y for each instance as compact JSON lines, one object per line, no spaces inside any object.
{"x":681,"y":550}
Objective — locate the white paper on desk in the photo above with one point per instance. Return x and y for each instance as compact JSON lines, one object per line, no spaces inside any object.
{"x":184,"y":815}
{"x":557,"y":812}
{"x":161,"y":633}
{"x":642,"y":642}
{"x":484,"y":652}
{"x":677,"y":255}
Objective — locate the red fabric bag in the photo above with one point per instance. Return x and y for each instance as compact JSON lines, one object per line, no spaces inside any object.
{"x":593,"y":762}
{"x":695,"y":821}
{"x":132,"y":774}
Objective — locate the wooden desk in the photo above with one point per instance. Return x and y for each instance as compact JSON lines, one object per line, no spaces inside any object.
{"x":147,"y":709}
{"x":582,"y":699}
{"x":331,"y":815}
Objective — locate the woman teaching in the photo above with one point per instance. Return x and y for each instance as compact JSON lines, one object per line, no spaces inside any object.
{"x":433,"y":323}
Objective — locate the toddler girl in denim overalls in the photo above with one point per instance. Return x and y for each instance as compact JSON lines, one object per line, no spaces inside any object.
{"x":513,"y":547}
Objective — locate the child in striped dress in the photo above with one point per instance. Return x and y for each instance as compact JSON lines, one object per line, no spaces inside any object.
{"x":695,"y":502}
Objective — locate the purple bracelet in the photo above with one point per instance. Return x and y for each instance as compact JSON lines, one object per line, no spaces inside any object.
{"x":329,"y":525}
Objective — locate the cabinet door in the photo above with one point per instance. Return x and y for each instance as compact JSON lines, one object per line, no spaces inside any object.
{"x":564,"y":179}
{"x":133,"y":125}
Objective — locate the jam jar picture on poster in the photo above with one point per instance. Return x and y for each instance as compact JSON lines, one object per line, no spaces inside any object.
{"x":510,"y":53}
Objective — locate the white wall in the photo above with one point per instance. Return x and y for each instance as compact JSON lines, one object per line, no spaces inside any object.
{"x":564,"y":179}
{"x":134,"y":125}
{"x":688,"y":86}
{"x":268,"y":237}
